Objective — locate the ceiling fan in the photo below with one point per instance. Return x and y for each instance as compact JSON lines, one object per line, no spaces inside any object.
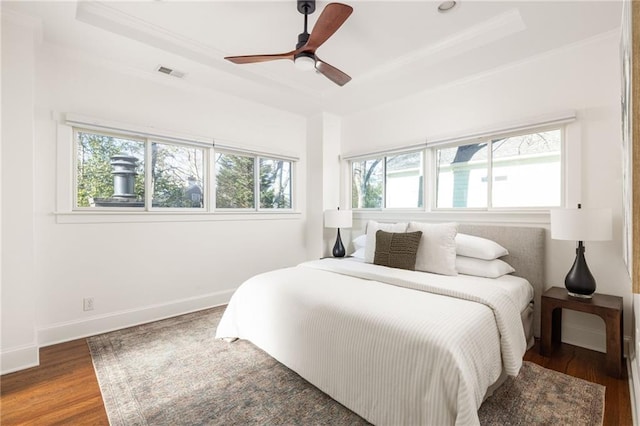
{"x":304,"y":56}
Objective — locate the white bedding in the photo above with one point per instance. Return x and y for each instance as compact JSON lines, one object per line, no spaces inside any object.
{"x":388,"y":346}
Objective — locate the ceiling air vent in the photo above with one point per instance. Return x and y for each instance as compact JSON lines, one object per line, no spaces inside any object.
{"x":170,"y":72}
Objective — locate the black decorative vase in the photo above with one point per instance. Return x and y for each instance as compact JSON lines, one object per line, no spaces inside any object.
{"x":579,"y":281}
{"x":338,"y":248}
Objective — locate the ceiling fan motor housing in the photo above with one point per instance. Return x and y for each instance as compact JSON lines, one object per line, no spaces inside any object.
{"x":306,"y":7}
{"x":302,"y":39}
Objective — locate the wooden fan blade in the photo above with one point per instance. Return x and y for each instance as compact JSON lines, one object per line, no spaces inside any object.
{"x":332,"y":73}
{"x":331,"y":18}
{"x":249,"y":59}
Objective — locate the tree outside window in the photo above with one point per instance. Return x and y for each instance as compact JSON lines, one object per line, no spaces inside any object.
{"x":366,"y":184}
{"x":275,"y":184}
{"x":235,"y":184}
{"x":94,"y":170}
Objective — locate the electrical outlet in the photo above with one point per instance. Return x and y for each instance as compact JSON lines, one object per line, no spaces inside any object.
{"x":88,"y":304}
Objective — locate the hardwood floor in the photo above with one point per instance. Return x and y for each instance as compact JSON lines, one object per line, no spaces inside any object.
{"x":591,"y":366}
{"x":64,"y":389}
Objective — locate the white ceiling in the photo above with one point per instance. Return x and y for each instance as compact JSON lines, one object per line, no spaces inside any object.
{"x":390,"y":48}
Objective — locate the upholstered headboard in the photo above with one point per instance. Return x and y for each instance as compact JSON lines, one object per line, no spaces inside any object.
{"x":526,"y":254}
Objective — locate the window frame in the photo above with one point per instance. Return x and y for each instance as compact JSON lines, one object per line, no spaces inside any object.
{"x":148,"y":174}
{"x":256,"y":182}
{"x":489,"y":139}
{"x":361,"y":159}
{"x":74,"y":192}
{"x":149,"y":178}
{"x":383,"y":156}
{"x":68,"y":211}
{"x":430,"y":171}
{"x":291,"y":183}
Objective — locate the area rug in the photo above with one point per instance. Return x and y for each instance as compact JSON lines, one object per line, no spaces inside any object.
{"x":173,"y":372}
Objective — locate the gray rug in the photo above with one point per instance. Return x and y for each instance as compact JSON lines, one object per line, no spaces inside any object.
{"x":173,"y":372}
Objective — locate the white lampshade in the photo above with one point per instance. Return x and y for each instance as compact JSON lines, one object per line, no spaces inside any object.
{"x":337,"y":218}
{"x":581,"y":224}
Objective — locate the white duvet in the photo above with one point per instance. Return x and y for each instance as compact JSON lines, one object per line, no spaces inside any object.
{"x":397,"y":347}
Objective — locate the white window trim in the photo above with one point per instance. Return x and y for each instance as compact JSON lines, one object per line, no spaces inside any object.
{"x":570,"y":190}
{"x":65,"y":206}
{"x":256,"y":180}
{"x":488,"y":138}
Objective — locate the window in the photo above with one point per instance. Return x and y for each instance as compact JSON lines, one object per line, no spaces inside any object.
{"x":402,"y":186}
{"x":527,"y":170}
{"x":178,"y":175}
{"x":510,"y":172}
{"x":524,"y":171}
{"x":404,"y":180}
{"x":118,"y":171}
{"x":462,"y":176}
{"x":236,"y":182}
{"x":110,"y":171}
{"x":275,"y":184}
{"x":366,"y":184}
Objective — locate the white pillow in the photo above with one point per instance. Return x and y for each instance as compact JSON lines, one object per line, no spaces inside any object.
{"x":482,"y":268}
{"x":372,"y":228}
{"x":480,"y":248}
{"x":437,"y":250}
{"x":360,"y":242}
{"x":359,"y":254}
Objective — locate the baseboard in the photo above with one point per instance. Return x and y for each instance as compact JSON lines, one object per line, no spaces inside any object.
{"x":634,"y":387}
{"x":588,"y":338}
{"x":19,"y":358}
{"x":64,"y":332}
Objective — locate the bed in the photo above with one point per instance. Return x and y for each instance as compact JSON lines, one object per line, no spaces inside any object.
{"x":397,"y":346}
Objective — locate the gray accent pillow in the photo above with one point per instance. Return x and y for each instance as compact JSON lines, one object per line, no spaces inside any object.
{"x":397,"y":250}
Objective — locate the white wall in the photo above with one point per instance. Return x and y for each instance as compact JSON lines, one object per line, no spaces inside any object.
{"x":136,"y":272}
{"x":18,"y":344}
{"x":323,"y":149}
{"x":584,"y":78}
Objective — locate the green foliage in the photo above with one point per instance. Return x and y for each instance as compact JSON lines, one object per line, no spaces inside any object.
{"x":234,"y":181}
{"x":94,"y":169}
{"x":367,"y":184}
{"x":275,"y":184}
{"x":172,"y":168}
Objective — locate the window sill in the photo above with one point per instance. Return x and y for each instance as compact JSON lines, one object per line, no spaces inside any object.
{"x":173,"y":216}
{"x":520,"y":217}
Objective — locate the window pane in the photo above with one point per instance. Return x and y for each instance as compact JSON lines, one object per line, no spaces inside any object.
{"x":235,"y":183}
{"x":462,"y":176}
{"x":177,"y":176}
{"x":110,"y":171}
{"x":366,"y":184}
{"x":275,"y":184}
{"x":527,"y":170}
{"x":404,"y":181}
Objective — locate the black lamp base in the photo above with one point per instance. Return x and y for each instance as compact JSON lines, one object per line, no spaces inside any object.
{"x":579,"y":281}
{"x":338,"y":248}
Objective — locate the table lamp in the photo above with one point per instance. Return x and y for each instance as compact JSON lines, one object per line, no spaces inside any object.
{"x":338,"y":219}
{"x":580,"y":225}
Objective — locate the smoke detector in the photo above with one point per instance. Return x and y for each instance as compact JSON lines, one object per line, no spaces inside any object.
{"x":169,"y":71}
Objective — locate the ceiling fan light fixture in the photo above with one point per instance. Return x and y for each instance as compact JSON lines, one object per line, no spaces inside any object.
{"x":446,"y":6}
{"x":304,"y":62}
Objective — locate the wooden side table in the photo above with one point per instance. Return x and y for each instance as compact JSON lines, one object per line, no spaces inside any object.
{"x":609,"y":308}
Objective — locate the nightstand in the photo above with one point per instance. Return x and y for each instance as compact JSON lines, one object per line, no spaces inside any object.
{"x":609,"y":308}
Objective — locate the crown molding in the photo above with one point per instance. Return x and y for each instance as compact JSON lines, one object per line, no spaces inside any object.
{"x":109,"y":18}
{"x":25,"y":21}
